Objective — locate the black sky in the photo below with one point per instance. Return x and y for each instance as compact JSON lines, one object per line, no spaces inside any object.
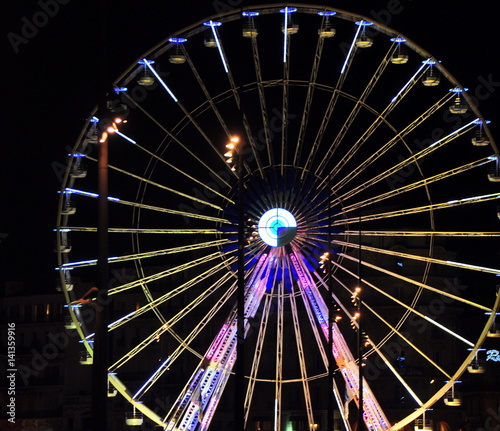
{"x":56,"y":67}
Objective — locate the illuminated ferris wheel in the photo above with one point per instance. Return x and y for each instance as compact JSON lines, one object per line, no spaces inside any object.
{"x":361,"y":179}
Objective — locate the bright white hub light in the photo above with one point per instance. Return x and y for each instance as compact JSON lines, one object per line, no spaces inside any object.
{"x":277,"y":227}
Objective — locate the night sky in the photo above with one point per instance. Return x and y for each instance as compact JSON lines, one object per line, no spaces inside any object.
{"x":58,"y":60}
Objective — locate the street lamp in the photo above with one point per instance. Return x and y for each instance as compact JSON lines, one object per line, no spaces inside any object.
{"x":100,"y":360}
{"x":234,"y":154}
{"x":101,"y":339}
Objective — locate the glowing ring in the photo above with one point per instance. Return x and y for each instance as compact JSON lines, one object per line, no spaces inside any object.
{"x":277,"y":227}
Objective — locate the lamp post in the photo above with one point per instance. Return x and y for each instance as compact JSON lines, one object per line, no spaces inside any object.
{"x":360,"y":341}
{"x":361,"y":422}
{"x":100,"y":359}
{"x":331,"y":360}
{"x":235,"y":155}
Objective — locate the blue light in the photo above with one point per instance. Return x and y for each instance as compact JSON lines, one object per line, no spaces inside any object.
{"x":94,"y":120}
{"x":408,"y":83}
{"x":119,"y":90}
{"x":81,"y":263}
{"x":327,"y":13}
{"x":458,"y":90}
{"x":398,"y":39}
{"x":177,"y":40}
{"x":350,"y":51}
{"x":286,"y":11}
{"x":429,"y":62}
{"x":69,"y":191}
{"x":124,"y":136}
{"x":212,"y":23}
{"x":148,"y":63}
{"x":249,"y":13}
{"x":80,"y":192}
{"x":364,"y":23}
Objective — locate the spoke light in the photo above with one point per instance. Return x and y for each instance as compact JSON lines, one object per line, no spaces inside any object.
{"x":153,"y":71}
{"x":213,"y":25}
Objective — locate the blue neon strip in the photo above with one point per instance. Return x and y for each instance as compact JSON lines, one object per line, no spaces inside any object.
{"x":153,"y":71}
{"x":80,"y":192}
{"x":70,"y":191}
{"x":453,"y":133}
{"x":125,"y":136}
{"x":219,"y":47}
{"x":285,"y":36}
{"x":139,"y":393}
{"x":350,"y":49}
{"x":408,"y":83}
{"x":84,"y":263}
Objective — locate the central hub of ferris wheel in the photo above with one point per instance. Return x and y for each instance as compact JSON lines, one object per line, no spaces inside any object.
{"x":277,"y":227}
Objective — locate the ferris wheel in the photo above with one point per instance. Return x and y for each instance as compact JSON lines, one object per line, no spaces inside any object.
{"x":360,"y":180}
